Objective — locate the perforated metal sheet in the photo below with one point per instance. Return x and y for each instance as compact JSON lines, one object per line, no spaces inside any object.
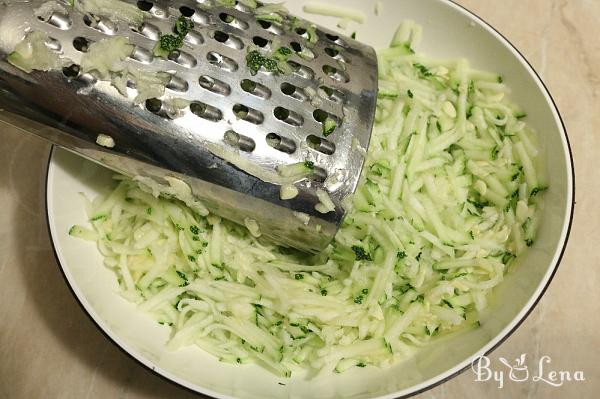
{"x":282,"y":114}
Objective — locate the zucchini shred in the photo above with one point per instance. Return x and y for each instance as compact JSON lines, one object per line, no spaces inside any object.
{"x":449,"y":199}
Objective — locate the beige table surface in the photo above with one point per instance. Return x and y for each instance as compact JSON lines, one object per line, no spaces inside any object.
{"x":50,"y":349}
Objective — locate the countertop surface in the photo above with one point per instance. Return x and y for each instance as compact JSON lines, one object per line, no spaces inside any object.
{"x":50,"y":349}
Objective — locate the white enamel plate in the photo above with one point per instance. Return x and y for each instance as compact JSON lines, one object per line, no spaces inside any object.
{"x":449,"y":32}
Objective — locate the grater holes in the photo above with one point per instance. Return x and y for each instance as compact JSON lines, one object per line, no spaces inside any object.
{"x":142,"y":55}
{"x":256,"y":89}
{"x":221,"y":36}
{"x":178,"y":84}
{"x":145,"y":5}
{"x":58,"y":20}
{"x":71,"y":71}
{"x":194,"y":38}
{"x":227,"y":18}
{"x":187,"y":11}
{"x":228,"y":40}
{"x":233,"y":21}
{"x":321,"y":145}
{"x":150,"y":31}
{"x":288,"y":89}
{"x":81,"y":44}
{"x":101,"y":24}
{"x":302,"y":51}
{"x":331,"y":94}
{"x":302,"y":32}
{"x":320,"y":115}
{"x":248,"y":114}
{"x":53,"y":44}
{"x":152,"y":8}
{"x":336,"y":54}
{"x":201,"y":18}
{"x":335,"y":39}
{"x":302,"y":70}
{"x":294,"y":91}
{"x":243,"y":8}
{"x":182,"y":58}
{"x":154,"y":105}
{"x":336,"y":73}
{"x":157,"y":107}
{"x":221,"y":61}
{"x":89,"y":78}
{"x":282,"y":144}
{"x":260,"y":41}
{"x":214,"y":85}
{"x":276,"y":30}
{"x":329,"y":121}
{"x":296,"y":47}
{"x":264,"y":24}
{"x":206,"y":111}
{"x":287,"y":116}
{"x":332,"y":52}
{"x":239,"y":141}
{"x":269,"y":27}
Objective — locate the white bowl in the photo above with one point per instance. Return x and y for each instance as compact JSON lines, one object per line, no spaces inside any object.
{"x":449,"y":31}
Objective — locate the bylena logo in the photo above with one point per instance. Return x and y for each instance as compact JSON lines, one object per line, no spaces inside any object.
{"x":518,"y":371}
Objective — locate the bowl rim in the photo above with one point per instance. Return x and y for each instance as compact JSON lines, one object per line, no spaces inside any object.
{"x":434,"y":381}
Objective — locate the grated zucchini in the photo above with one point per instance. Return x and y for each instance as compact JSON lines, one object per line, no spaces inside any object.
{"x":449,"y":199}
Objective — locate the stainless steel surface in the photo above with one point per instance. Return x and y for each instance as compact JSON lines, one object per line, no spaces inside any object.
{"x":230,"y":163}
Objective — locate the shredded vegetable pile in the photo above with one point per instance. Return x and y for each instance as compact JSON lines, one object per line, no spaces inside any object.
{"x":448,"y":200}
